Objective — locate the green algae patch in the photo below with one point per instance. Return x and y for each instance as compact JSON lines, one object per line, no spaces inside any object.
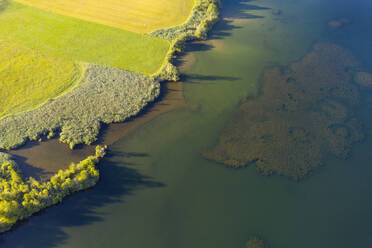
{"x":29,"y":78}
{"x":301,"y":116}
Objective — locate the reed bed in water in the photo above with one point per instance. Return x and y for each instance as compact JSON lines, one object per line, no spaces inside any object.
{"x":105,"y":95}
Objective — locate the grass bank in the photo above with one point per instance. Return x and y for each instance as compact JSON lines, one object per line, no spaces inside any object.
{"x":204,"y":15}
{"x":106,"y":95}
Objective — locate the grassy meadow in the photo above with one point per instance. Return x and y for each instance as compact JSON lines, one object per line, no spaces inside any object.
{"x":29,"y":78}
{"x":140,"y":16}
{"x":101,"y":47}
{"x":79,"y":40}
{"x":120,"y":77}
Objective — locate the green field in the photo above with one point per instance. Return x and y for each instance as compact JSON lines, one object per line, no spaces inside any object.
{"x":46,"y":51}
{"x":29,"y":78}
{"x":140,"y":16}
{"x":79,"y":40}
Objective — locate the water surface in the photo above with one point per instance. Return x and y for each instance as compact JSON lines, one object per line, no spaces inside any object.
{"x":156,"y":189}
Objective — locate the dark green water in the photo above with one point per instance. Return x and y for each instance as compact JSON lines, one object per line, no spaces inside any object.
{"x":157,"y":191}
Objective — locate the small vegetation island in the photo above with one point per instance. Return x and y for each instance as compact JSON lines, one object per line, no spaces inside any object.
{"x":303,"y":113}
{"x":255,"y":242}
{"x":65,"y":70}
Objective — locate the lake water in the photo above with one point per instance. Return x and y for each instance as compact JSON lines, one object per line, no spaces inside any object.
{"x":156,"y":189}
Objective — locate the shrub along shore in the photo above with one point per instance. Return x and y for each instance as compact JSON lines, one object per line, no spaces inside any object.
{"x":203,"y":16}
{"x":20,"y":199}
{"x":105,"y":95}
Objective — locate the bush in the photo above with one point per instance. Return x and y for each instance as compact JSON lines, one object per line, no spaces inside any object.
{"x":105,"y":95}
{"x":203,"y":16}
{"x":20,"y":199}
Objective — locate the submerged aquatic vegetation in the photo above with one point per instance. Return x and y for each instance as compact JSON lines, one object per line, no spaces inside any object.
{"x":301,"y":116}
{"x":20,"y":199}
{"x":105,"y":95}
{"x":255,"y":242}
{"x":363,"y":78}
{"x":339,"y":23}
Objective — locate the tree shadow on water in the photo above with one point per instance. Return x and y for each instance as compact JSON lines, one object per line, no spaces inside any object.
{"x":231,"y":10}
{"x":234,"y":9}
{"x":241,"y":9}
{"x":46,"y":229}
{"x":27,"y":169}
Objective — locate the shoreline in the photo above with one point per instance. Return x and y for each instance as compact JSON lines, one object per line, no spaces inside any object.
{"x":108,"y":95}
{"x":28,"y":154}
{"x":64,"y":178}
{"x":43,"y":159}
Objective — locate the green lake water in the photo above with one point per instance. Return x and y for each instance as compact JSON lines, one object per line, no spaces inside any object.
{"x":157,"y":191}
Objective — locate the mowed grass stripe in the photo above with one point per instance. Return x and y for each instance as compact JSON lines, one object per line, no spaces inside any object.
{"x":29,"y":78}
{"x":134,"y":15}
{"x":110,"y":19}
{"x":108,"y":13}
{"x":79,"y":40}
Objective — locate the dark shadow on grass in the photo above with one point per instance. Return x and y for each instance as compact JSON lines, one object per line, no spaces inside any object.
{"x":3,"y":5}
{"x":46,"y":228}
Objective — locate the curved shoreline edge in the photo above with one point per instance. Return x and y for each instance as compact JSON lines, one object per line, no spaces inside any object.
{"x":20,"y":199}
{"x":77,"y":114}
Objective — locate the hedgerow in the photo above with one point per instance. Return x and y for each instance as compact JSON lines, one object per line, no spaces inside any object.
{"x":203,"y":16}
{"x":105,"y":95}
{"x":21,"y":198}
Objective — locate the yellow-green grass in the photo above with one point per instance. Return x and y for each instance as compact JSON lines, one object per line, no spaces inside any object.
{"x":79,"y":40}
{"x":134,"y":15}
{"x":29,"y":78}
